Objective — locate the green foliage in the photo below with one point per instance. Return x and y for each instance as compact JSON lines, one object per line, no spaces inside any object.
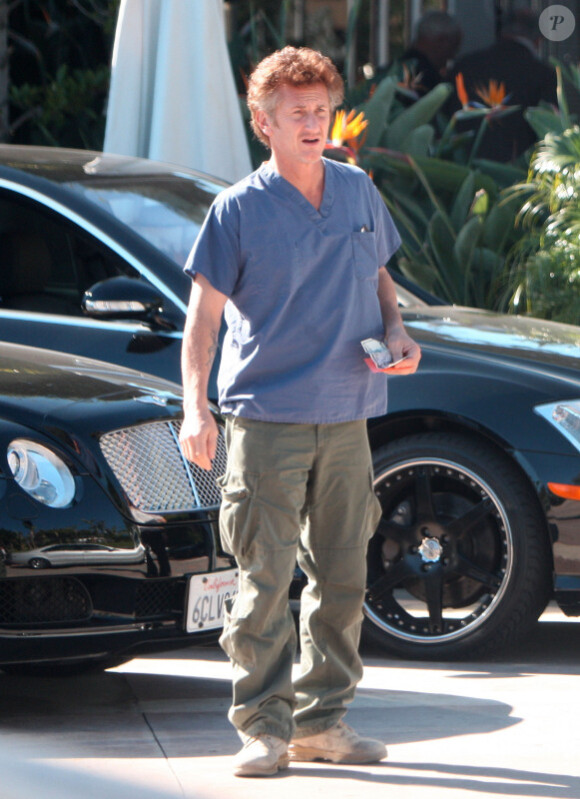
{"x":544,"y":119}
{"x":67,"y":111}
{"x":545,"y":264}
{"x":548,"y":284}
{"x":457,"y":249}
{"x":401,"y":129}
{"x":59,"y":68}
{"x":377,"y":110}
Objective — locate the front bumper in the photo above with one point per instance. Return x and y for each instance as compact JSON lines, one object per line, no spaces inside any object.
{"x":110,"y":574}
{"x":105,"y":610}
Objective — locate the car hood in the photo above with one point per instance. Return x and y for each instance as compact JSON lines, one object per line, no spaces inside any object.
{"x":538,"y":341}
{"x":37,"y":385}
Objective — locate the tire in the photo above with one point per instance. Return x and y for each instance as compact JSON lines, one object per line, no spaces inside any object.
{"x":38,"y":563}
{"x":460,"y":563}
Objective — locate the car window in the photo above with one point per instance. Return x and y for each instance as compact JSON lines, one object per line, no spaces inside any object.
{"x":46,"y":262}
{"x":167,"y":211}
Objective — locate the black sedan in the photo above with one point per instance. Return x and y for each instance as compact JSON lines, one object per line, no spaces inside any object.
{"x":108,"y":539}
{"x":477,"y":463}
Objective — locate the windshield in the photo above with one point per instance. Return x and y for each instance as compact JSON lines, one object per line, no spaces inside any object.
{"x":165,"y":209}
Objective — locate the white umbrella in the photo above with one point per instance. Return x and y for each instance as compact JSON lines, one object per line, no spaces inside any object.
{"x":172,"y":94}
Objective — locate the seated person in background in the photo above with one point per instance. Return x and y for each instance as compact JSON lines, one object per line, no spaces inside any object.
{"x":514,"y":62}
{"x":435,"y":43}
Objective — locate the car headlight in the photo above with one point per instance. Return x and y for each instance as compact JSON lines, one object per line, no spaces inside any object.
{"x":41,"y":473}
{"x":565,"y":416}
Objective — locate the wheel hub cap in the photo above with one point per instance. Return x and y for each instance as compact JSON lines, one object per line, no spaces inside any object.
{"x":430,"y":550}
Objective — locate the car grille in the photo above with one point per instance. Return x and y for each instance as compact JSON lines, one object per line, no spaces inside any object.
{"x":158,"y":597}
{"x":31,"y":600}
{"x":148,"y":462}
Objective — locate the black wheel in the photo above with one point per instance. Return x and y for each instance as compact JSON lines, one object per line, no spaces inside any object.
{"x":460,"y":564}
{"x":38,"y":563}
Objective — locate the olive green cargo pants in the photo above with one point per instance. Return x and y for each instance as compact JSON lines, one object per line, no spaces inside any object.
{"x":296,"y":493}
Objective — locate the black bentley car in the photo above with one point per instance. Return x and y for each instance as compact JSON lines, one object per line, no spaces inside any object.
{"x":108,"y":542}
{"x":477,"y":463}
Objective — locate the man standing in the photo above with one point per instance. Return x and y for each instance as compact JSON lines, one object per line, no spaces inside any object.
{"x":295,"y":254}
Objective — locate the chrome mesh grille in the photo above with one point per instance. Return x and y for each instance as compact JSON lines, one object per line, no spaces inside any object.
{"x":148,"y":462}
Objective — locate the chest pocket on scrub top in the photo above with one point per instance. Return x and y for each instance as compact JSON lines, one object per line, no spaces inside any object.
{"x":364,"y":251}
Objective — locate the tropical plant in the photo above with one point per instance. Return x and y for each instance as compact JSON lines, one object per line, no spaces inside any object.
{"x":549,"y":284}
{"x":545,"y":264}
{"x":458,"y":249}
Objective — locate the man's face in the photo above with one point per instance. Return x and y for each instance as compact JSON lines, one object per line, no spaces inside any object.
{"x":298,"y":128}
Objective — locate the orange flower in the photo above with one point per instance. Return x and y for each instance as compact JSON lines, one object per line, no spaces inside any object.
{"x":347,"y":128}
{"x":492,"y":95}
{"x":461,"y":91}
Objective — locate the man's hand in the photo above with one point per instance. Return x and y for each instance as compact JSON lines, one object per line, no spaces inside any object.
{"x":402,"y":346}
{"x":399,"y":343}
{"x":198,"y":438}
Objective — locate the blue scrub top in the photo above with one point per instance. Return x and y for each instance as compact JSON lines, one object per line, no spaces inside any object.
{"x":302,"y":294}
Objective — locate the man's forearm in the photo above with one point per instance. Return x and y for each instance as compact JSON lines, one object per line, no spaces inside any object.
{"x":200,"y":343}
{"x":198,"y":435}
{"x":200,"y":340}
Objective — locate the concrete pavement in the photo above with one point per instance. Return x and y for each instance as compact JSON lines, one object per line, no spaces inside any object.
{"x":156,"y":728}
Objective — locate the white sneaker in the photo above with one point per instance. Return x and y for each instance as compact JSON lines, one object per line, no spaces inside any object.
{"x":261,"y":756}
{"x":339,"y":744}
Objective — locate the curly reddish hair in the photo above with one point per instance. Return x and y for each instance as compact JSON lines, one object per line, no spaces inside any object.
{"x":292,"y":66}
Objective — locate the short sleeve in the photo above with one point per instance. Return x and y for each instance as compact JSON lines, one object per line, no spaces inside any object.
{"x":216,"y":251}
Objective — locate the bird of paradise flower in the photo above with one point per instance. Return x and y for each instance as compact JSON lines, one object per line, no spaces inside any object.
{"x":494,"y":105}
{"x":494,"y":95}
{"x":347,"y":132}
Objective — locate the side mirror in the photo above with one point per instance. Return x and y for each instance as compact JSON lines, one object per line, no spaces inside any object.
{"x":124,"y":298}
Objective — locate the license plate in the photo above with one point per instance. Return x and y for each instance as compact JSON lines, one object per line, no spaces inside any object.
{"x":206,"y":599}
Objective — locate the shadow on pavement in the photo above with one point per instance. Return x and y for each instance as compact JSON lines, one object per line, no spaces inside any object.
{"x":161,"y":714}
{"x":478,"y":780}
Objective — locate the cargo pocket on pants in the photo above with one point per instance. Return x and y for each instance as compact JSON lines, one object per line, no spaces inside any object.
{"x":237,"y":527}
